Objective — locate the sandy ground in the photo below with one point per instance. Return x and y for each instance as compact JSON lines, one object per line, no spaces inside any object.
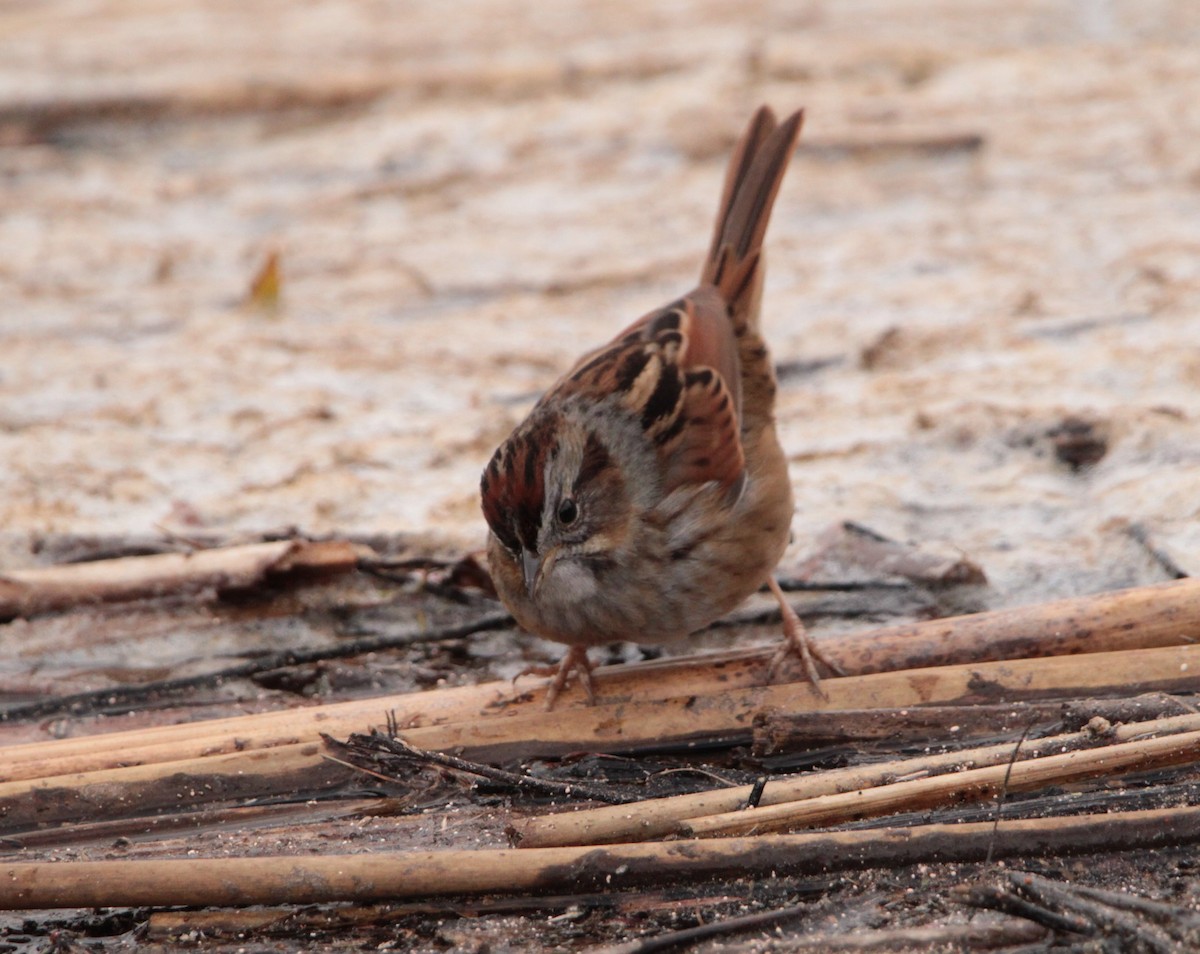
{"x":993,"y":225}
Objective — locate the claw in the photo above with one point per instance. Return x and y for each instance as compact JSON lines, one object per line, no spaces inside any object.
{"x":797,"y":643}
{"x":575,"y":660}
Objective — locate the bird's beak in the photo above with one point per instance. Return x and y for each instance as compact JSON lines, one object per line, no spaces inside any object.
{"x":531,"y":571}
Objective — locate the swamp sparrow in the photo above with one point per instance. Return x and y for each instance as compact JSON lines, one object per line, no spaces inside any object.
{"x":646,"y":493}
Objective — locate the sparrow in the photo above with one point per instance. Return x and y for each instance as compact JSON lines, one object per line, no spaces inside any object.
{"x":646,"y":493}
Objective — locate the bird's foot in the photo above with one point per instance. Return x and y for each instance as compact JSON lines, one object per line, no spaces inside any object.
{"x":576,"y":660}
{"x":797,"y":643}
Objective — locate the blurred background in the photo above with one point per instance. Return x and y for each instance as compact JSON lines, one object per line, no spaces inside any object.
{"x":267,"y":265}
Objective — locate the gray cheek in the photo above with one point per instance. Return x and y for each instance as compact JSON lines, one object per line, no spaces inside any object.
{"x":573,"y":581}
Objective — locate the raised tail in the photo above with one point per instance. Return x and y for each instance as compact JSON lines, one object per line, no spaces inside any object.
{"x":751,"y":184}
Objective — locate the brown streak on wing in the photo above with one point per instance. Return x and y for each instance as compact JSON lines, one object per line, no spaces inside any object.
{"x":708,"y":446}
{"x":678,"y":371}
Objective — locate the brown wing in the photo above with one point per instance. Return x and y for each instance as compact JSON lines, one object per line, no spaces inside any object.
{"x":679,"y":370}
{"x":676,"y":370}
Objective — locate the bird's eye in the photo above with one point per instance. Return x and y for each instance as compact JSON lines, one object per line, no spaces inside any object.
{"x":568,"y":511}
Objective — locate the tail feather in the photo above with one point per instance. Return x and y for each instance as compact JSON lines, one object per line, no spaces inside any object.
{"x":751,"y":184}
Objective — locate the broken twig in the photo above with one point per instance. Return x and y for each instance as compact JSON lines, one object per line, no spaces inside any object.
{"x":41,"y":590}
{"x":381,"y":754}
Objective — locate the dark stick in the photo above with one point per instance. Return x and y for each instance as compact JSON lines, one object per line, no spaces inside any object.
{"x":1003,"y":900}
{"x":1105,"y":920}
{"x":748,"y":922}
{"x":1003,"y":793}
{"x":1168,"y":914}
{"x":374,"y":751}
{"x":756,"y":793}
{"x":781,"y":732}
{"x":1141,"y":536}
{"x":81,"y":703}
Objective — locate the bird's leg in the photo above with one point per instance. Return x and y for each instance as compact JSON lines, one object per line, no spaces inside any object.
{"x":797,"y":643}
{"x":575,"y":660}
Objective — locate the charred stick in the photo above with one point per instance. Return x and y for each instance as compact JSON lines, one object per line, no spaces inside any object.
{"x":107,"y":699}
{"x":382,"y":753}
